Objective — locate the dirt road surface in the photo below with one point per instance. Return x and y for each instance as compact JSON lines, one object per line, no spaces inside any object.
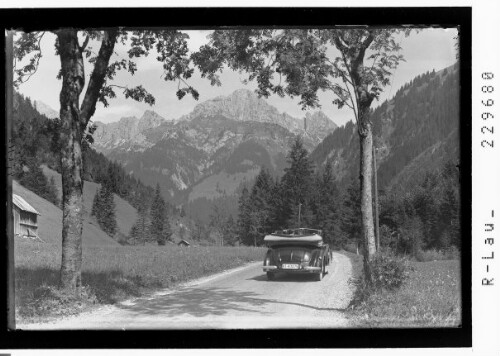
{"x":242,"y":298}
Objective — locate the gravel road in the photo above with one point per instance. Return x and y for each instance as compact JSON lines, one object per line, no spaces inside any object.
{"x":241,"y":298}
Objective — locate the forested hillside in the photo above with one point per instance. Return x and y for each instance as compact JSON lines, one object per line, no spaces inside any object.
{"x":416,"y":135}
{"x":424,"y":217}
{"x":34,"y":137}
{"x":423,"y":115}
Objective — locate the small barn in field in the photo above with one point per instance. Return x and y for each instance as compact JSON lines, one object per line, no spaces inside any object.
{"x":184,"y":243}
{"x":25,"y":218}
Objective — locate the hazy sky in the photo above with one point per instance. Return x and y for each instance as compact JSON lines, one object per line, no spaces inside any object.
{"x":424,"y":51}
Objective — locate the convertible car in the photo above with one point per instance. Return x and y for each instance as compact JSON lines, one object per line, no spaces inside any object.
{"x":296,"y":251}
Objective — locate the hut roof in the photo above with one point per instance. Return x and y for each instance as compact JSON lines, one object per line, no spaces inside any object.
{"x":184,"y":242}
{"x":23,"y":204}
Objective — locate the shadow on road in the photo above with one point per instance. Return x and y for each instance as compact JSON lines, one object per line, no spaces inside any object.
{"x":287,"y":277}
{"x":200,"y":302}
{"x":283,"y":277}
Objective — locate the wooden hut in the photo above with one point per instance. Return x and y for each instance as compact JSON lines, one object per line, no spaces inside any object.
{"x":25,"y":218}
{"x":184,"y":243}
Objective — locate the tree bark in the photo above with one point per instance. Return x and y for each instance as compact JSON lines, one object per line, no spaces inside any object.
{"x":365,"y":171}
{"x":9,"y":91}
{"x":375,"y":191}
{"x":73,"y":80}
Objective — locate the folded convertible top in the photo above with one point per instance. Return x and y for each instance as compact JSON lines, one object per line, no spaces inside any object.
{"x":294,"y":237}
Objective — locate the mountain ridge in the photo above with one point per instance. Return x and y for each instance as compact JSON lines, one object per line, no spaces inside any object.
{"x":245,"y":105}
{"x":204,"y":142}
{"x":421,"y":115}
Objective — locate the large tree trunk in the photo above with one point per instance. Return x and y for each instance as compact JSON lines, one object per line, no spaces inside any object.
{"x":74,"y":122}
{"x":71,"y":160}
{"x":365,"y":171}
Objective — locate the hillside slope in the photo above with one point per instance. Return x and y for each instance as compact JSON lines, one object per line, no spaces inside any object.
{"x":126,"y":214}
{"x":414,"y":132}
{"x":50,"y":221}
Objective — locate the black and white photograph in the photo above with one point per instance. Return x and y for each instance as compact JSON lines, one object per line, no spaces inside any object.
{"x":253,"y":177}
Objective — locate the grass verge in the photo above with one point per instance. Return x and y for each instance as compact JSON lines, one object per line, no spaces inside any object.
{"x":431,"y":297}
{"x":111,"y":274}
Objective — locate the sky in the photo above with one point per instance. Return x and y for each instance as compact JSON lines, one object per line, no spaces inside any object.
{"x":423,"y":51}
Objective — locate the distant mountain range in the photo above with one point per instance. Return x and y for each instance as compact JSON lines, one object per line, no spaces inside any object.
{"x":127,"y":133}
{"x":231,"y":136}
{"x":223,"y":142}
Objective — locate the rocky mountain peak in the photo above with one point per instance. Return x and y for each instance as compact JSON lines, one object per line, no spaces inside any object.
{"x":150,"y":119}
{"x":127,"y":120}
{"x":127,"y":131}
{"x":318,"y":121}
{"x":241,"y":105}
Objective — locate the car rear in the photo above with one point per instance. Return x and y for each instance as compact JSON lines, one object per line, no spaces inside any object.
{"x":293,"y":259}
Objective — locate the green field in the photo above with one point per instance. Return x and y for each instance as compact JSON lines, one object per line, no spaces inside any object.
{"x":431,"y":297}
{"x":112,"y":273}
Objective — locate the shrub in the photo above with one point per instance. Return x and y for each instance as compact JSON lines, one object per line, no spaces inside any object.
{"x":389,"y":272}
{"x":411,"y":236}
{"x":452,"y":253}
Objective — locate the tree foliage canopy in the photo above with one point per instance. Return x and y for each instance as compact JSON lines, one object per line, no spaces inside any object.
{"x":300,"y":62}
{"x":98,"y":48}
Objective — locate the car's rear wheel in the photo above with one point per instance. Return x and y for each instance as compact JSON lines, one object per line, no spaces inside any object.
{"x":270,"y":276}
{"x":319,"y":276}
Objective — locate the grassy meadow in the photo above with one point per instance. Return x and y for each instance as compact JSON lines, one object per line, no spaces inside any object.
{"x":431,"y":297}
{"x":112,"y":273}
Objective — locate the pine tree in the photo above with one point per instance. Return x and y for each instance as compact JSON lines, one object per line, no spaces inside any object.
{"x":244,"y":217}
{"x":351,"y":211}
{"x":103,"y":208}
{"x":106,"y":214}
{"x":259,"y":204}
{"x":327,"y":207}
{"x":230,"y":231}
{"x":160,"y":226}
{"x":111,"y":226}
{"x":139,"y":233}
{"x":96,"y":203}
{"x":167,"y":230}
{"x":297,"y":180}
{"x":33,"y":178}
{"x":278,"y":207}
